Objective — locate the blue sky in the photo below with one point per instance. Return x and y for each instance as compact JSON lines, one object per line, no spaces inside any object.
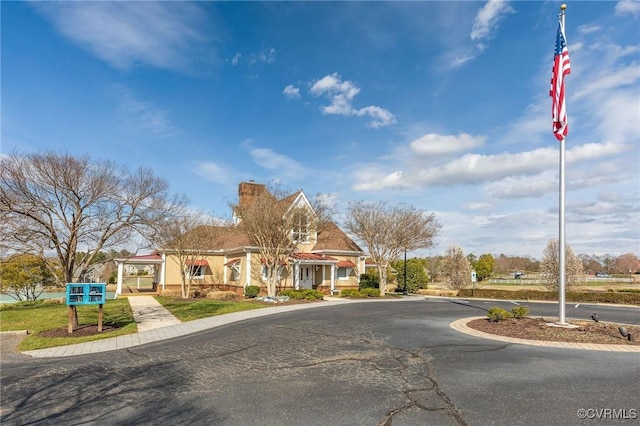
{"x":440,"y":105}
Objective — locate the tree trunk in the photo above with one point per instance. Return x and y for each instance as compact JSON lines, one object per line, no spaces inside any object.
{"x":382,"y":274}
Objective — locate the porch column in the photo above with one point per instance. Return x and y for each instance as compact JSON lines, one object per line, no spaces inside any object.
{"x":224,"y":269}
{"x":248,"y":268}
{"x":163,"y":270}
{"x":296,"y":280}
{"x":120,"y":275}
{"x":333,"y":278}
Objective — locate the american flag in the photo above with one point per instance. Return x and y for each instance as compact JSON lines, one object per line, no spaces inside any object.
{"x":561,"y":67}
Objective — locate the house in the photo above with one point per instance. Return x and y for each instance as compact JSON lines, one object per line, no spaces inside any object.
{"x":324,"y":258}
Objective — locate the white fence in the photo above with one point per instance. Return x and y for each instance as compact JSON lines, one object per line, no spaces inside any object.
{"x":537,"y":281}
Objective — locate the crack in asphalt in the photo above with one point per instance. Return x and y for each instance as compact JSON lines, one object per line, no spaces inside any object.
{"x":449,"y":406}
{"x":413,"y":357}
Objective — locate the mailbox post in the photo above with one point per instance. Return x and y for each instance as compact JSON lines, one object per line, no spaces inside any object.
{"x":86,"y":294}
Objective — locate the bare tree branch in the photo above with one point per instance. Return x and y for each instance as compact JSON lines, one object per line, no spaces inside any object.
{"x":58,"y":203}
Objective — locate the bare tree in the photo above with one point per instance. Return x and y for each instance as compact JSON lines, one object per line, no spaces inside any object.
{"x":456,"y":268}
{"x":627,"y":264}
{"x":387,"y":231}
{"x":58,"y":203}
{"x":189,"y":237}
{"x":550,"y":266}
{"x":275,"y":226}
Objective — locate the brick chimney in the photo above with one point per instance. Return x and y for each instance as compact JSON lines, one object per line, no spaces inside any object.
{"x":248,"y":191}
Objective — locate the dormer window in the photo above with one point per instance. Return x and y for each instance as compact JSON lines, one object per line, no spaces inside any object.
{"x":300,"y":232}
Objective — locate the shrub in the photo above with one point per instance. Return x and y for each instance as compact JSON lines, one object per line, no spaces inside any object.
{"x":371,"y":292}
{"x":57,"y":300}
{"x":496,"y":314}
{"x":369,"y":280}
{"x":352,"y":292}
{"x":222,"y":295}
{"x":627,"y":298}
{"x":251,"y":291}
{"x":520,"y":312}
{"x":305,"y":294}
{"x":346,"y":292}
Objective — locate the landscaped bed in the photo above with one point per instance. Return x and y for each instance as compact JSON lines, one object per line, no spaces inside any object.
{"x":539,"y":329}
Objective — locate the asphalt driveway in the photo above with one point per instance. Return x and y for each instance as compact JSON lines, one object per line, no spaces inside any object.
{"x":371,"y":363}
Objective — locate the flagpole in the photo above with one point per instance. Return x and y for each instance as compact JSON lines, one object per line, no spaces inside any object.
{"x":561,"y":230}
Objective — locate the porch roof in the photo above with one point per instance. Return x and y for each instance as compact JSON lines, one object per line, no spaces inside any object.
{"x":346,"y":264}
{"x":312,"y":257}
{"x":146,"y":259}
{"x":197,"y":262}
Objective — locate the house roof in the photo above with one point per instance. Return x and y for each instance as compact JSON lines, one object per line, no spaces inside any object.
{"x":331,"y":237}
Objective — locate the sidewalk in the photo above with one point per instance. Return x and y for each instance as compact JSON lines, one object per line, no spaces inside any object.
{"x":150,"y":314}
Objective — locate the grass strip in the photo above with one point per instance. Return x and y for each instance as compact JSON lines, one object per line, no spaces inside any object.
{"x":189,"y":309}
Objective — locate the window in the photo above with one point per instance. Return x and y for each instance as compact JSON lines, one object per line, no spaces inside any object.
{"x":235,"y":273}
{"x":300,"y":231}
{"x":195,"y":272}
{"x":343,"y":273}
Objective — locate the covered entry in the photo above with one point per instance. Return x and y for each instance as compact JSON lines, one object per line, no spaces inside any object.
{"x":151,"y":259}
{"x":311,"y":270}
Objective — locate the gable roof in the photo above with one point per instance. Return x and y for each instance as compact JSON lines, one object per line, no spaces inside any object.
{"x":331,"y":237}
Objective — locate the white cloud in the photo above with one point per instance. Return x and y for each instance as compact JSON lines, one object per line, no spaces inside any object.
{"x":291,"y":92}
{"x":434,"y":144}
{"x":488,"y":18}
{"x":236,"y":59}
{"x":476,"y":206}
{"x":214,"y":172}
{"x":267,"y":56}
{"x":628,"y":6}
{"x":588,"y":29}
{"x":342,"y":93}
{"x":609,"y":79}
{"x":474,"y":168}
{"x":126,"y":34}
{"x":461,"y":60}
{"x":271,"y":160}
{"x":142,"y":115}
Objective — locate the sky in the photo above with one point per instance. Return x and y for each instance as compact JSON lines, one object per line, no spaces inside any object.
{"x":443,"y":106}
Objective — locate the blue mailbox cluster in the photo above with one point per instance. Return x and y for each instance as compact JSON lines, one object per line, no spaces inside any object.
{"x":86,"y":294}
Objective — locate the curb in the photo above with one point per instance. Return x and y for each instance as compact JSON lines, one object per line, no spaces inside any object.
{"x":14,"y":333}
{"x":461,"y":326}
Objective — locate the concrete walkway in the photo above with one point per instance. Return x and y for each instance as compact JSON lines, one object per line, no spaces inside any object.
{"x":150,"y":314}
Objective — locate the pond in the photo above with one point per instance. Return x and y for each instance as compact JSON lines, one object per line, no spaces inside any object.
{"x":5,"y":298}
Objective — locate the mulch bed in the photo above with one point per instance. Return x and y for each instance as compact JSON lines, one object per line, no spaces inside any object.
{"x":79,"y":331}
{"x":537,"y":329}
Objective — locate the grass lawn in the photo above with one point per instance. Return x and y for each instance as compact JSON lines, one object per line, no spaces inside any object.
{"x":189,"y":309}
{"x":39,"y":317}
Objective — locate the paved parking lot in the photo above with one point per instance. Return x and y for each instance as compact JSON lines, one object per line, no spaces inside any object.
{"x":371,"y":363}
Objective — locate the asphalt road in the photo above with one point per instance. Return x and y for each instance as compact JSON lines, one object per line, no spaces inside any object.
{"x":371,"y":363}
